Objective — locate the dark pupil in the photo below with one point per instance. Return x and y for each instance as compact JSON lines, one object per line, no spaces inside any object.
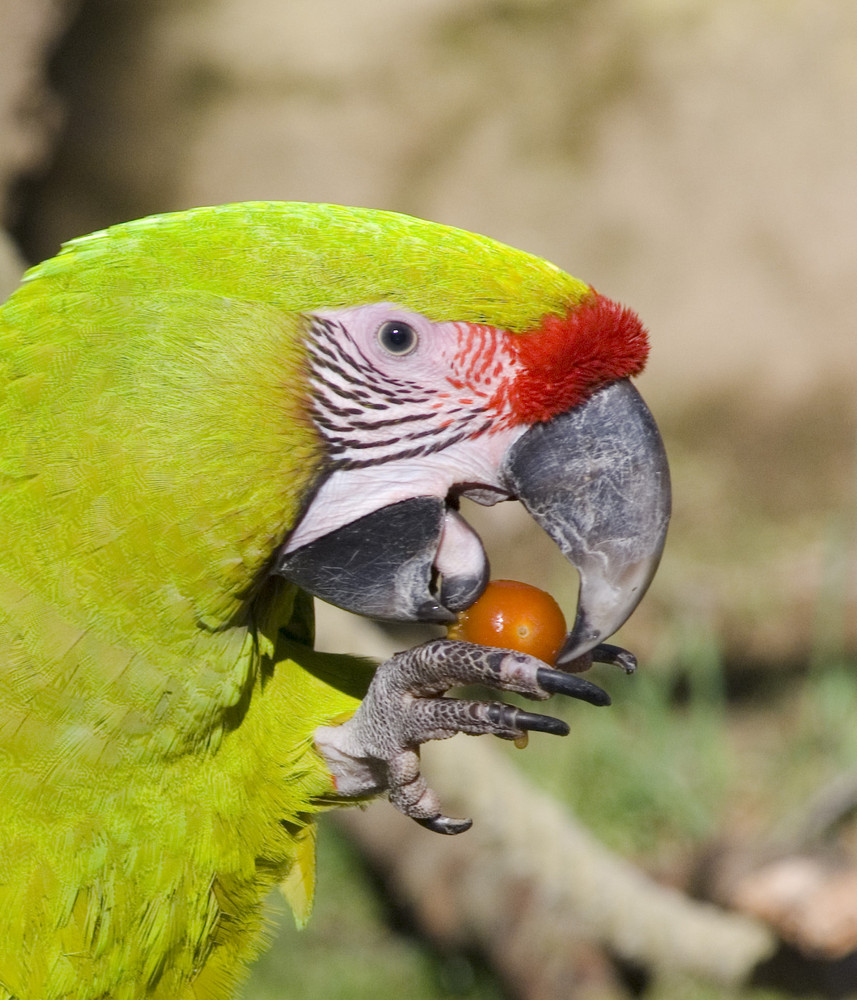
{"x":397,"y":337}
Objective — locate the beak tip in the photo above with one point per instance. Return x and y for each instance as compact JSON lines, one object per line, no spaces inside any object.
{"x":607,"y":601}
{"x":433,"y":613}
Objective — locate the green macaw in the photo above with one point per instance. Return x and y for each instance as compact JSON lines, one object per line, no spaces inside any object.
{"x":206,"y":419}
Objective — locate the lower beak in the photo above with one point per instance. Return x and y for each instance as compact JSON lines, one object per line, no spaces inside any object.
{"x":596,"y":479}
{"x":415,"y":560}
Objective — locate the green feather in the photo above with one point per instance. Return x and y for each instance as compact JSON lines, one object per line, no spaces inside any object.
{"x":159,"y":691}
{"x":297,"y":257}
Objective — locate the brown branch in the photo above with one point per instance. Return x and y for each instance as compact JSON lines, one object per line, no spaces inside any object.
{"x":539,"y":894}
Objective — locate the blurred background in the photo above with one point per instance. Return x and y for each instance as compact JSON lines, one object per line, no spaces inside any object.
{"x":697,"y":161}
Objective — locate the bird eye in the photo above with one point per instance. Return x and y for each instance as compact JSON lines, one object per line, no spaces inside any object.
{"x":397,"y":337}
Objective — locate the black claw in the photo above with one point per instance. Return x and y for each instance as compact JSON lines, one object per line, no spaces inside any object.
{"x":531,"y":722}
{"x":607,"y":653}
{"x":444,"y":824}
{"x":557,"y":682}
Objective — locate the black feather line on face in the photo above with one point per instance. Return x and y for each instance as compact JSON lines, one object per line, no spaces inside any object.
{"x":351,"y":396}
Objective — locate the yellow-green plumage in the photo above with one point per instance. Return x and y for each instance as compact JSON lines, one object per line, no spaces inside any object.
{"x":159,"y":690}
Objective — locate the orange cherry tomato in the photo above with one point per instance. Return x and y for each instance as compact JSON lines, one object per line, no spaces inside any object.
{"x":513,"y":615}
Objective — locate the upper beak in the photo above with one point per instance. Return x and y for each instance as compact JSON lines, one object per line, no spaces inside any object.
{"x":596,"y":479}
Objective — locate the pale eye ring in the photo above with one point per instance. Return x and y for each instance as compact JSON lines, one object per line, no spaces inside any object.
{"x":397,"y":337}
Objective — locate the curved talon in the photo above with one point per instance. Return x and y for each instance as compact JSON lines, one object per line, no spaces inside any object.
{"x":605,"y":652}
{"x":444,"y":824}
{"x":516,"y":719}
{"x":557,"y":682}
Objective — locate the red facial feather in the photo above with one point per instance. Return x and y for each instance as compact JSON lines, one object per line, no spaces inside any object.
{"x":566,"y":358}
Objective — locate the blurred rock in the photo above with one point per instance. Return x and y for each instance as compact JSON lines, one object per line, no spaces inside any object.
{"x":811,"y":904}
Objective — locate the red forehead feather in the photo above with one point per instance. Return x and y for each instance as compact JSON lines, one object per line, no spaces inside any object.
{"x":566,"y":358}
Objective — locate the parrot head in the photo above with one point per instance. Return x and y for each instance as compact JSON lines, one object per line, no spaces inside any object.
{"x":309,"y":390}
{"x":419,"y":400}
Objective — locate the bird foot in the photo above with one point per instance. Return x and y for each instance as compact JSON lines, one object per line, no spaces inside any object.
{"x":377,"y":749}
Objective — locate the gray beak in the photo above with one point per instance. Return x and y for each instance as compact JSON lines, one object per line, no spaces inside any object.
{"x":596,"y":479}
{"x":416,"y":560}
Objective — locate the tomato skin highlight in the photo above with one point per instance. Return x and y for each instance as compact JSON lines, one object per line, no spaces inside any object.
{"x":514,"y":615}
